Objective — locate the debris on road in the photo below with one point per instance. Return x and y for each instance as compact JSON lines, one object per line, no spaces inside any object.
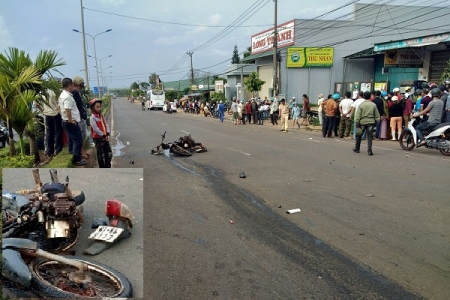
{"x":279,"y":206}
{"x":242,"y":175}
{"x":231,"y":222}
{"x":293,"y":211}
{"x":128,"y":143}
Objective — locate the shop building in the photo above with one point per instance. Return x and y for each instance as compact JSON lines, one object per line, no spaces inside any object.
{"x":325,"y":56}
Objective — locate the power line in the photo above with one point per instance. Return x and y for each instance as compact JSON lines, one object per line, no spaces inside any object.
{"x":170,"y":23}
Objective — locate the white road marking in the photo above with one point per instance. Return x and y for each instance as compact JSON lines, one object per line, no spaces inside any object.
{"x":163,"y":124}
{"x":248,"y":154}
{"x":185,"y":132}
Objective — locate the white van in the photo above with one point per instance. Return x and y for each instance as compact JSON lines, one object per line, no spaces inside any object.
{"x":155,"y":99}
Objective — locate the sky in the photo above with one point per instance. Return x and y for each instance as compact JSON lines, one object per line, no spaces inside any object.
{"x":147,"y":36}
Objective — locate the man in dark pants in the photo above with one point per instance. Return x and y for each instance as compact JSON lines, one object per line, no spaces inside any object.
{"x":366,"y":118}
{"x":78,"y":83}
{"x":254,"y":111}
{"x":330,"y":107}
{"x":54,"y":130}
{"x":379,"y":103}
{"x":70,"y":118}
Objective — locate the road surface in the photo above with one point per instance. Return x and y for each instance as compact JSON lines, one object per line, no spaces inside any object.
{"x":370,"y":227}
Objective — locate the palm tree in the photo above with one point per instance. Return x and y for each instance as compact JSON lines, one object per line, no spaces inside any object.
{"x":21,"y":81}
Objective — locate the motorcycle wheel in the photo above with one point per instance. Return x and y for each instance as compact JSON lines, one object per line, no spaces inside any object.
{"x":406,"y":140}
{"x":311,"y":119}
{"x":50,"y":279}
{"x":230,"y":112}
{"x":180,"y":151}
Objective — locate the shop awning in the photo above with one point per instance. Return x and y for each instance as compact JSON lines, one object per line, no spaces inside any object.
{"x":414,"y":42}
{"x":366,"y":53}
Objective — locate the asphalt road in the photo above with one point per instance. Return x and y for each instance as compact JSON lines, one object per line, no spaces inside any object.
{"x":370,"y":227}
{"x":100,"y":185}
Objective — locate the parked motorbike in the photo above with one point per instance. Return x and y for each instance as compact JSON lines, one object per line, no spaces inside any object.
{"x":312,"y":115}
{"x":37,"y":223}
{"x":437,"y":138}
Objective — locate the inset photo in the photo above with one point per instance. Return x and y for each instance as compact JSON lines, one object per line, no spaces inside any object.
{"x":72,"y":233}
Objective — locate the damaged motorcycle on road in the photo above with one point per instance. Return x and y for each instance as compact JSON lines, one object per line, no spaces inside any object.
{"x":184,"y":146}
{"x":39,"y":225}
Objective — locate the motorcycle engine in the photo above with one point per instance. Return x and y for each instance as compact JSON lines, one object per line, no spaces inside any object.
{"x":440,"y":144}
{"x":61,"y":216}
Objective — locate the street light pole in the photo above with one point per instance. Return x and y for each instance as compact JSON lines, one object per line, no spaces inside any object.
{"x":95,"y":54}
{"x":101,"y":68}
{"x":84,"y":46}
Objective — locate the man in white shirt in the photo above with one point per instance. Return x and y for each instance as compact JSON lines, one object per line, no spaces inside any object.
{"x":53,"y":127}
{"x":320,"y":109}
{"x":70,"y":118}
{"x":355,"y":106}
{"x":345,"y":108}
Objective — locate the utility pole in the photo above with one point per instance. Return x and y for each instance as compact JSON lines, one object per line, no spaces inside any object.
{"x":84,"y":46}
{"x":192,"y":69}
{"x":275,"y":50}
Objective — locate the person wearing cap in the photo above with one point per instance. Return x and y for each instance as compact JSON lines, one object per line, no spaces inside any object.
{"x":366,"y":117}
{"x":396,"y":113}
{"x":407,"y":91}
{"x":260,"y":112}
{"x":100,"y":134}
{"x":434,"y":109}
{"x":53,"y":126}
{"x":221,"y":110}
{"x":396,"y":92}
{"x":78,"y":83}
{"x":291,"y":105}
{"x":234,"y":109}
{"x":70,"y":119}
{"x":284,"y":114}
{"x":330,"y":107}
{"x":345,"y":108}
{"x":319,"y":108}
{"x":295,"y":111}
{"x":408,"y":107}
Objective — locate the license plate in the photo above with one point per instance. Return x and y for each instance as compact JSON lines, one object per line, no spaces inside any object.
{"x":106,"y":233}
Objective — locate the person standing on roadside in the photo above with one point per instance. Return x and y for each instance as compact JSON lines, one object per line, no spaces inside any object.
{"x":254,"y":111}
{"x":53,"y":126}
{"x":234,"y":109}
{"x":295,"y":115}
{"x":100,"y":134}
{"x":70,"y":118}
{"x":221,"y":109}
{"x":330,"y":106}
{"x":395,"y":113}
{"x":284,"y":114}
{"x":306,"y":109}
{"x":320,"y":109}
{"x":366,"y":117}
{"x":355,"y":106}
{"x":248,"y":110}
{"x":273,"y":109}
{"x":240,"y":107}
{"x":379,"y":103}
{"x":78,"y":83}
{"x":345,"y":108}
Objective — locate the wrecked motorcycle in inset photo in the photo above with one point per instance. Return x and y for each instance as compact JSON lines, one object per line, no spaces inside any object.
{"x":41,"y":226}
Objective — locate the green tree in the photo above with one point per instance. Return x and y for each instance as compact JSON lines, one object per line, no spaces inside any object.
{"x":144,"y":84}
{"x":235,"y":58}
{"x":172,"y":95}
{"x":247,"y":53}
{"x":253,"y":83}
{"x":186,"y":91}
{"x":218,"y":96}
{"x":21,"y":83}
{"x":134,"y":86}
{"x":446,"y":73}
{"x":216,"y":77}
{"x":152,"y":79}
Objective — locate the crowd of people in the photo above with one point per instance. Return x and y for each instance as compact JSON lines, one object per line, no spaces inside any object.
{"x":382,"y":115}
{"x":68,"y":114}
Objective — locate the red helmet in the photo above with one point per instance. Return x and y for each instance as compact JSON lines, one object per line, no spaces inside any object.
{"x":93,"y":101}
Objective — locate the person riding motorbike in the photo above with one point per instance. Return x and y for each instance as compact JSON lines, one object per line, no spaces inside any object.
{"x":435,"y":113}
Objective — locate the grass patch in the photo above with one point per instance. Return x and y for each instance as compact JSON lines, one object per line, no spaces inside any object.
{"x":62,"y":160}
